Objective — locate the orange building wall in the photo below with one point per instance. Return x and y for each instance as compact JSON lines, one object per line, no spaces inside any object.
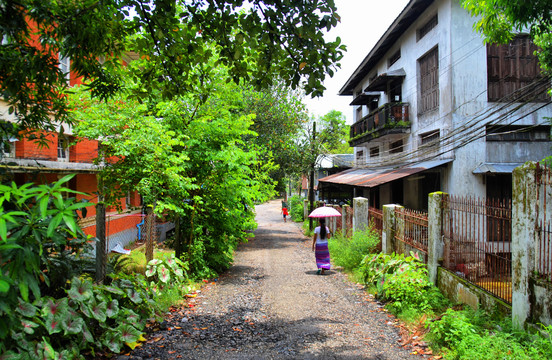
{"x":28,"y":149}
{"x":84,"y":151}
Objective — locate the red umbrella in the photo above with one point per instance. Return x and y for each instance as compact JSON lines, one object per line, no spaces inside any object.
{"x":324,"y":211}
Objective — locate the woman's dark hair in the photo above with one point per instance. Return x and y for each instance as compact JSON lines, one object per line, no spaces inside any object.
{"x":322,"y":228}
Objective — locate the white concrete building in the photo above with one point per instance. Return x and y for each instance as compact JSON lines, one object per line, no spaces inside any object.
{"x":437,"y":109}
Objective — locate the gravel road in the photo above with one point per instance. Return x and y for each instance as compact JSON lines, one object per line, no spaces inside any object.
{"x":272,"y":305}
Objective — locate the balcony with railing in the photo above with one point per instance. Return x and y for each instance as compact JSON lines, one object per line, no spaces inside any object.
{"x":391,"y":118}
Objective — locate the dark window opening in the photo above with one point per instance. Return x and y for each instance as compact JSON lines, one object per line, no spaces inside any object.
{"x":431,"y":137}
{"x":394,"y":58}
{"x":374,"y":152}
{"x":427,"y":27}
{"x":396,"y":147}
{"x":360,"y":157}
{"x":518,"y":133}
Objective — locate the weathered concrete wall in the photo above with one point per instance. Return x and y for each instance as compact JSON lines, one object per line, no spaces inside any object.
{"x":389,"y":226}
{"x":457,"y":289}
{"x":435,"y":240}
{"x":541,"y":294}
{"x":360,"y":215}
{"x":524,"y":215}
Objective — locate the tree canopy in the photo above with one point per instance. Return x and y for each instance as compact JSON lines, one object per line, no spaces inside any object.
{"x":175,"y":45}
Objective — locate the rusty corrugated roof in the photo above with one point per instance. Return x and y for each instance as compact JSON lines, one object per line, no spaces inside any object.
{"x":375,"y":177}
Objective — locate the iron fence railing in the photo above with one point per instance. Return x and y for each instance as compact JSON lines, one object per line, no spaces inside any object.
{"x":412,"y":229}
{"x":375,"y":218}
{"x":477,"y":238}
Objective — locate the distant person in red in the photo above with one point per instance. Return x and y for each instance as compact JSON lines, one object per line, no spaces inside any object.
{"x":285,"y":212}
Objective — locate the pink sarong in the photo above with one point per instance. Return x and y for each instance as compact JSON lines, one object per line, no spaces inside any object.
{"x":322,"y":255}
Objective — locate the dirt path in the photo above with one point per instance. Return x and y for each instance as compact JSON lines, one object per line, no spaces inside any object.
{"x":272,"y":305}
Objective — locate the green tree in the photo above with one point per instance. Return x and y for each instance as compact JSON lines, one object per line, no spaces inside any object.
{"x":334,"y":133}
{"x":256,"y":40}
{"x":279,"y":118}
{"x":500,"y":20}
{"x":189,"y":158}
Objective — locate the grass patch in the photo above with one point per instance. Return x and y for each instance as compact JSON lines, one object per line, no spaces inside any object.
{"x":348,"y":252}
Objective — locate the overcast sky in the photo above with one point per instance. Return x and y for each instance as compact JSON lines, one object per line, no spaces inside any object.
{"x":363,"y":22}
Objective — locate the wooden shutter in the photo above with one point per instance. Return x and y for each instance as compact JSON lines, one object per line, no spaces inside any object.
{"x":429,"y":82}
{"x":514,"y":67}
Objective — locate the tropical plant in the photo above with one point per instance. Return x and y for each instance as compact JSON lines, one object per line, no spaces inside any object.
{"x":40,"y":243}
{"x":402,"y":280}
{"x":90,"y":318}
{"x":168,"y":272}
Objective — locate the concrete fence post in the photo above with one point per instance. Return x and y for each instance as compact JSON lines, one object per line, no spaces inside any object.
{"x":344,"y":211}
{"x":360,"y":214}
{"x":389,"y":228}
{"x":524,"y":233}
{"x":435,"y":246}
{"x":305,"y":209}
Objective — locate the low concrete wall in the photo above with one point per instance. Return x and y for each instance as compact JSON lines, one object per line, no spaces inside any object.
{"x":457,"y":289}
{"x":541,"y":304}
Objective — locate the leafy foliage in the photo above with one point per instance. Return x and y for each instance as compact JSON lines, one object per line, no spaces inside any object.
{"x":168,"y":272}
{"x":40,"y":242}
{"x":90,"y":318}
{"x":296,"y":208}
{"x":348,"y":252}
{"x":257,"y":41}
{"x":465,"y":334}
{"x":334,"y":133}
{"x":402,"y":280}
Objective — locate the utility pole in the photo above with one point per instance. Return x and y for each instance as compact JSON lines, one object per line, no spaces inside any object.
{"x":311,"y":176}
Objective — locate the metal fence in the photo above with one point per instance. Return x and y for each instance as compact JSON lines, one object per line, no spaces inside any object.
{"x":375,"y":218}
{"x":412,"y":230}
{"x":543,"y":177}
{"x":477,"y":237}
{"x":349,"y":211}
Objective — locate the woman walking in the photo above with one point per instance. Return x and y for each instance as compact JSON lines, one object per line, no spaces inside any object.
{"x":320,"y":246}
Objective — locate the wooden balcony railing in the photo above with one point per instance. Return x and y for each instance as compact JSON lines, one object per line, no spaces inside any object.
{"x":390,"y":118}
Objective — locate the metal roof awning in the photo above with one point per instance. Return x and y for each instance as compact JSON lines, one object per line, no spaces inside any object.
{"x":365,"y":98}
{"x":496,"y":168}
{"x":374,"y":177}
{"x":380,"y":83}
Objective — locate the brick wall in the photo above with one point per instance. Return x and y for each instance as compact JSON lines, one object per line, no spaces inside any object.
{"x":84,"y":151}
{"x":29,"y":149}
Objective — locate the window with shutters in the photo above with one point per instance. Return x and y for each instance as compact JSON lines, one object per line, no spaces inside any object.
{"x":374,"y":152}
{"x":360,"y":157}
{"x":513,"y":72}
{"x":396,"y":147}
{"x":428,"y":68}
